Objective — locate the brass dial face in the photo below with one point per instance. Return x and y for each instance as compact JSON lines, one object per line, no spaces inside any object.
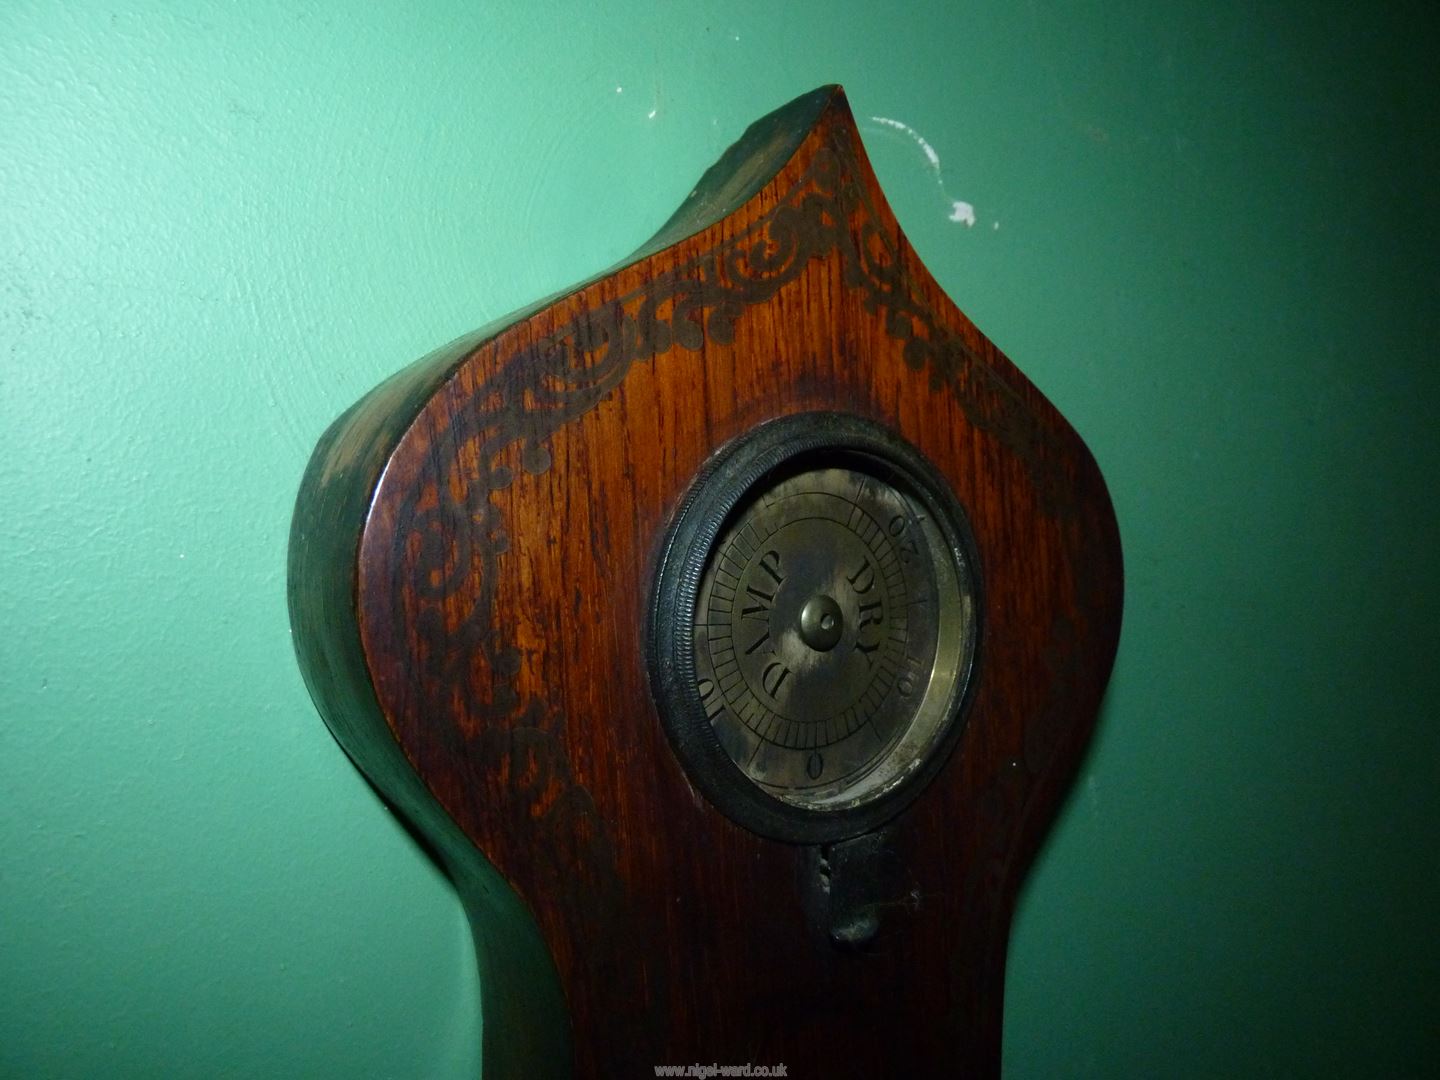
{"x":817,"y":635}
{"x":816,"y":663}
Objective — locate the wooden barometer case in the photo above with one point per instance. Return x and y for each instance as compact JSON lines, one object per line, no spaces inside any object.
{"x":730,"y":627}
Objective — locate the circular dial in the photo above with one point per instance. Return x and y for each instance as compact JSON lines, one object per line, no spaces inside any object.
{"x":813,"y":627}
{"x":821,"y":615}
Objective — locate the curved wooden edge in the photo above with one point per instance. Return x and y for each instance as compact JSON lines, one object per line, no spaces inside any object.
{"x":525,"y":1023}
{"x":746,"y":167}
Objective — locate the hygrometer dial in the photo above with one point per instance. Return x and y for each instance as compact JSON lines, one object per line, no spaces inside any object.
{"x":815,"y":624}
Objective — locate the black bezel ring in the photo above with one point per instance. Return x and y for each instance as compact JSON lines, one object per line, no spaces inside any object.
{"x":722,"y":485}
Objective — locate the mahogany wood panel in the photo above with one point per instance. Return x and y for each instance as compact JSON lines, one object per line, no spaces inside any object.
{"x":471,"y":565}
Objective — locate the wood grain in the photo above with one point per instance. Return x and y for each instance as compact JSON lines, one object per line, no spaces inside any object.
{"x":471,"y":562}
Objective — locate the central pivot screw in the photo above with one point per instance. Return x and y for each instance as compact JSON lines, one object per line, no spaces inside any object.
{"x":821,"y":623}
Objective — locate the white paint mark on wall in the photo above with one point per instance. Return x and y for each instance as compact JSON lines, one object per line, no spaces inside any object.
{"x":960,"y":211}
{"x":920,"y":140}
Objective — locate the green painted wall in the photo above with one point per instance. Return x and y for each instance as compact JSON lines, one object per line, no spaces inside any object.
{"x":1208,"y":232}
